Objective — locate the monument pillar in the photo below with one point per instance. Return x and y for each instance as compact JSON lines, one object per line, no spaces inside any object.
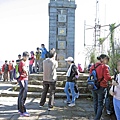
{"x":62,"y":29}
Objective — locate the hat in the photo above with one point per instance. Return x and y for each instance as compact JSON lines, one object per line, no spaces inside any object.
{"x":69,"y":59}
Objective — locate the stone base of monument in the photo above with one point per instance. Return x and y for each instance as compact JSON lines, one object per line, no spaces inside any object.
{"x":36,"y":84}
{"x":61,"y":69}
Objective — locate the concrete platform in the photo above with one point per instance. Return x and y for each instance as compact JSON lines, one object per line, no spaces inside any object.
{"x":83,"y":109}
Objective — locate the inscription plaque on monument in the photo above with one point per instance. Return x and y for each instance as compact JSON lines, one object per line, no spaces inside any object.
{"x":61,"y":18}
{"x":61,"y":44}
{"x":62,"y":31}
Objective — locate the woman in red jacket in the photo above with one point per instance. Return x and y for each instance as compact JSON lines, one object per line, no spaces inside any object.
{"x":103,"y":76}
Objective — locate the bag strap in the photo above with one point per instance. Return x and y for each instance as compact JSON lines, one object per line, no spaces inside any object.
{"x":96,"y":66}
{"x":96,"y":72}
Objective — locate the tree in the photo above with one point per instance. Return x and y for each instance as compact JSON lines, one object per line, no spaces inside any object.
{"x":93,"y":57}
{"x":113,"y":53}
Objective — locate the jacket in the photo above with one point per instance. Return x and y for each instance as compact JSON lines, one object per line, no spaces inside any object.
{"x":5,"y":68}
{"x":74,"y":72}
{"x":103,"y":74}
{"x":49,"y":70}
{"x":43,"y":53}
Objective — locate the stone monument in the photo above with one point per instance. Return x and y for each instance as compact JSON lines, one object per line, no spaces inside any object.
{"x":62,"y":29}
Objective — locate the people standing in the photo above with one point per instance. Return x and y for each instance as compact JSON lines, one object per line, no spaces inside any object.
{"x":23,"y":82}
{"x":115,"y":92}
{"x":11,"y":70}
{"x":103,"y":76}
{"x":5,"y":70}
{"x":43,"y":55}
{"x":70,"y":84}
{"x":31,"y":61}
{"x":37,"y":60}
{"x":19,"y":58}
{"x":49,"y":79}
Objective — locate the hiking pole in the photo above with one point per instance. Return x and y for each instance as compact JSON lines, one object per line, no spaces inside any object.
{"x":115,"y":74}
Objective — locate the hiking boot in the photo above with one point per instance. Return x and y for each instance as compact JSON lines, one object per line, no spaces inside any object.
{"x":71,"y":104}
{"x":25,"y":114}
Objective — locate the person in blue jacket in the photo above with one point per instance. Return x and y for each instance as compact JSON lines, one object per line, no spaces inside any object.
{"x":43,"y":56}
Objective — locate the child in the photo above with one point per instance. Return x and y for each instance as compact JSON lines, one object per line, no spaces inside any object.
{"x":115,"y":92}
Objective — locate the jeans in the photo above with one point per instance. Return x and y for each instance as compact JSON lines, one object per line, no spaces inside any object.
{"x":46,"y":86}
{"x":22,"y":95}
{"x":30,"y":69}
{"x":37,"y":64}
{"x":107,"y":101}
{"x":98,"y":100}
{"x":41,"y":64}
{"x":72,"y":90}
{"x":116,"y":103}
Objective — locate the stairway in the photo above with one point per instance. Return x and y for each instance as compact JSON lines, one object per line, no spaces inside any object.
{"x":35,"y":86}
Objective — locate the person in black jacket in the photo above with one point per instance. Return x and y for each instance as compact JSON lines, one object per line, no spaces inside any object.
{"x":71,"y":77}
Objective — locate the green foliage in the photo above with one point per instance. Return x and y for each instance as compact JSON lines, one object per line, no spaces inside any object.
{"x":92,"y":57}
{"x":101,"y":40}
{"x":113,"y":60}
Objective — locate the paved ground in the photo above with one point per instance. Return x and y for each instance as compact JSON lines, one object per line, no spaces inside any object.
{"x":83,"y":109}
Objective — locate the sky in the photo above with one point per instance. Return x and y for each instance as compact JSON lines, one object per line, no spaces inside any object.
{"x":24,"y":24}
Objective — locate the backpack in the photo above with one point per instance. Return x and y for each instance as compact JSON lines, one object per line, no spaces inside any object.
{"x":16,"y":73}
{"x":6,"y":68}
{"x":92,"y":81}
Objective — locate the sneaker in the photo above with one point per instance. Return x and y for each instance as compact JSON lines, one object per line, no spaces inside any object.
{"x":77,"y":95}
{"x":67,"y":102}
{"x":108,"y":112}
{"x":25,"y":114}
{"x":40,"y":106}
{"x":49,"y":109}
{"x":71,"y":104}
{"x":19,"y":112}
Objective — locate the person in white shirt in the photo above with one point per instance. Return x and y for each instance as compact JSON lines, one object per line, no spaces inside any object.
{"x":115,"y":92}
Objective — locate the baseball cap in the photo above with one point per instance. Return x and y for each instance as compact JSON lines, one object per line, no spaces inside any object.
{"x":102,"y":56}
{"x":69,"y":59}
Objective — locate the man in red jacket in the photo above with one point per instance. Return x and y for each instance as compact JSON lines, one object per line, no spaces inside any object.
{"x":103,"y":76}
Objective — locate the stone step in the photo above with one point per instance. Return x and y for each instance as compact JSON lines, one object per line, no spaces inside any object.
{"x":7,"y":93}
{"x":39,"y":88}
{"x":58,"y":83}
{"x":59,"y":77}
{"x":81,"y":83}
